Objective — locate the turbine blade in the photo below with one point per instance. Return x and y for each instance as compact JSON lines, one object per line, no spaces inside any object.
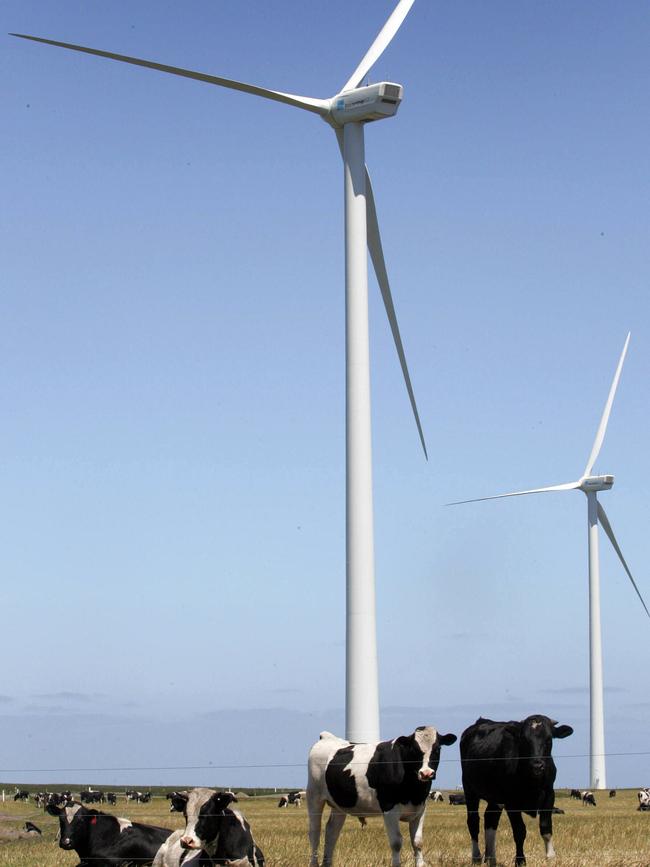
{"x":318,"y":106}
{"x":377,"y":256}
{"x":602,"y":427}
{"x":568,"y":486}
{"x":380,"y":44}
{"x":607,"y":527}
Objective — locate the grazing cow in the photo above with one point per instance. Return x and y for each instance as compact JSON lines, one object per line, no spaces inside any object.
{"x":509,"y":764}
{"x":457,"y":800}
{"x":644,"y":799}
{"x":223,"y":834}
{"x":21,"y":795}
{"x":588,"y":798}
{"x":437,"y":797}
{"x":612,"y":793}
{"x":102,"y":840}
{"x":391,"y":778}
{"x":284,"y":801}
{"x":577,"y":794}
{"x":111,"y":798}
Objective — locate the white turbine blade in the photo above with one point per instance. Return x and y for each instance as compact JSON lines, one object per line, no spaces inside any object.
{"x":568,"y":486}
{"x":602,"y":427}
{"x":318,"y":106}
{"x":607,"y":527}
{"x":379,"y":264}
{"x":380,"y":44}
{"x":377,"y":256}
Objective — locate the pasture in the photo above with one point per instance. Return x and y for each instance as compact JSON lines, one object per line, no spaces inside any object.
{"x":613,"y":834}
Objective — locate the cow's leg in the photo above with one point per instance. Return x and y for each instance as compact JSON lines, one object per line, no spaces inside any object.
{"x":315,"y":808}
{"x":519,"y":833}
{"x":391,"y":823}
{"x":332,"y":831}
{"x":546,"y":824}
{"x":473,"y":825}
{"x":491,"y":821}
{"x":415,"y":830}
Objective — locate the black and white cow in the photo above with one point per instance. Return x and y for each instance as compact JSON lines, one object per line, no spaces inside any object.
{"x":509,"y":764}
{"x":588,"y":798}
{"x":644,"y":799}
{"x":390,"y":778}
{"x":223,"y":834}
{"x":437,"y":797}
{"x":21,"y":795}
{"x":111,"y":798}
{"x":102,"y":840}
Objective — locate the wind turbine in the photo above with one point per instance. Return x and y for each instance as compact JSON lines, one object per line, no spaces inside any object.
{"x":591,"y":485}
{"x":347,"y":113}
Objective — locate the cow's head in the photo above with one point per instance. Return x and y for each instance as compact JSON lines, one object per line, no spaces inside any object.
{"x":74,"y":824}
{"x":535,"y":739}
{"x":204,"y":810}
{"x":423,"y":748}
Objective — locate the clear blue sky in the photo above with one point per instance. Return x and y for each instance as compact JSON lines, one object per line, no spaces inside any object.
{"x":172,"y":445}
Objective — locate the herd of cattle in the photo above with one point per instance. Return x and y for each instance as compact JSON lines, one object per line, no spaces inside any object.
{"x":507,"y":764}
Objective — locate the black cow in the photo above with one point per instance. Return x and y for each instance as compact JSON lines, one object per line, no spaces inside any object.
{"x":111,"y":798}
{"x":457,"y":800}
{"x":102,"y":840}
{"x":509,"y":764}
{"x":577,"y":794}
{"x":390,"y":778}
{"x":210,"y":826}
{"x":91,"y":797}
{"x":21,"y":795}
{"x":612,"y":793}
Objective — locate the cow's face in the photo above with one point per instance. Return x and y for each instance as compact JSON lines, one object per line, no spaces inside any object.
{"x":203,"y":812}
{"x":73,"y":824}
{"x":429,"y":741}
{"x":536,"y":735}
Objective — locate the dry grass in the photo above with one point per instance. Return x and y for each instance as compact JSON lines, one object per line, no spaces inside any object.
{"x":613,"y":834}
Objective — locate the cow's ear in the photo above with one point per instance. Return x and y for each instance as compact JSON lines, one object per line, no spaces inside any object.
{"x":447,"y":740}
{"x":222,"y":799}
{"x":562,"y":731}
{"x":179,"y":801}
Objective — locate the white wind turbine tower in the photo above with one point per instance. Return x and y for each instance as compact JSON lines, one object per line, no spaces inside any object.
{"x":590,"y":485}
{"x":347,"y":113}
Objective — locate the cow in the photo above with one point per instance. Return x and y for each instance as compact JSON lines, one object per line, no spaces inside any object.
{"x":21,"y":795}
{"x":390,"y":778}
{"x":91,"y":797}
{"x":457,"y":800}
{"x":437,"y":797}
{"x":223,"y":834}
{"x":612,"y":793}
{"x":31,"y":828}
{"x":111,"y":798}
{"x":509,"y":764}
{"x":295,"y":798}
{"x":644,"y":799}
{"x":588,"y":798}
{"x":103,"y":840}
{"x":284,"y":801}
{"x":577,"y":794}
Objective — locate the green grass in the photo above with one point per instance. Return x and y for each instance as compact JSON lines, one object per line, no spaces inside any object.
{"x":613,"y":834}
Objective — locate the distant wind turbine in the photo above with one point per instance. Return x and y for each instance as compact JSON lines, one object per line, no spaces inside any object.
{"x":347,"y":112}
{"x":595,"y":514}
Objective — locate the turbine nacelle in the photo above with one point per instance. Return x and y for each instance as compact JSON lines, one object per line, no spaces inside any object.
{"x":364,"y":104}
{"x":596,"y":483}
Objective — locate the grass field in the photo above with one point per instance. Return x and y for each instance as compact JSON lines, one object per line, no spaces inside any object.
{"x":613,"y":834}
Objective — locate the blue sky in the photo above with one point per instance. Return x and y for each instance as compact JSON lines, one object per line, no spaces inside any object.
{"x":172,"y":450}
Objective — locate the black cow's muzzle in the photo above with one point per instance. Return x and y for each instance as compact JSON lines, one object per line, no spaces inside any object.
{"x":65,"y":843}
